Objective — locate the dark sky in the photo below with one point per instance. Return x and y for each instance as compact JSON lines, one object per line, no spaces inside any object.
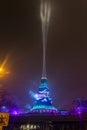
{"x":21,"y":38}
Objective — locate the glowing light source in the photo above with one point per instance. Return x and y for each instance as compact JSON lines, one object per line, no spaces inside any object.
{"x":79,"y":110}
{"x":43,"y":100}
{"x":14,"y":112}
{"x":3,"y":71}
{"x":4,"y":109}
{"x":44,"y":107}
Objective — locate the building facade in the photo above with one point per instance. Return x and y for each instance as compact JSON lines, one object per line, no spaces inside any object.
{"x":47,"y":122}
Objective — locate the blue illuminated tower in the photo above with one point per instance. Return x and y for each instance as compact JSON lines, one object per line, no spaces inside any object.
{"x":43,"y":102}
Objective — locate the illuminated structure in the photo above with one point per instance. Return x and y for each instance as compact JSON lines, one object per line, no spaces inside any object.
{"x":43,"y":102}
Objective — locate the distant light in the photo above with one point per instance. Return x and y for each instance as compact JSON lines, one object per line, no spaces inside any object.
{"x":1,"y":69}
{"x":79,"y":110}
{"x":3,"y":72}
{"x":14,"y":112}
{"x":4,"y":109}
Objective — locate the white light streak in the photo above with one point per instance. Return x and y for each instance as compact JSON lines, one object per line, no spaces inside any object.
{"x":45,"y":12}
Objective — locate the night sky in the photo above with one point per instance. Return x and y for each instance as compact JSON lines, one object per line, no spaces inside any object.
{"x":66,"y":56}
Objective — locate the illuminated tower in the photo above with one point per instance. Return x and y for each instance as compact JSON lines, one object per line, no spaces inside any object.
{"x":43,"y":102}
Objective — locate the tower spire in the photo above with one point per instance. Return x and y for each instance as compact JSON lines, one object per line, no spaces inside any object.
{"x":45,"y":17}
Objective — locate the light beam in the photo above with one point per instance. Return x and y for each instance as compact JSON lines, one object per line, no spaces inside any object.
{"x":45,"y":11}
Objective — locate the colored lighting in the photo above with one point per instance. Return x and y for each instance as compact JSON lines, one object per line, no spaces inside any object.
{"x":43,"y":102}
{"x":44,"y":107}
{"x":1,"y":69}
{"x":14,"y":112}
{"x":4,"y":109}
{"x":79,"y":110}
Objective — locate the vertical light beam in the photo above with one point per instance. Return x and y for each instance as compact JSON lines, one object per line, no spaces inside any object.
{"x":45,"y":11}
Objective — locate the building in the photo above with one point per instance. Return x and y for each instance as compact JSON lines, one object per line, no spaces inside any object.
{"x":43,"y":101}
{"x":47,"y":122}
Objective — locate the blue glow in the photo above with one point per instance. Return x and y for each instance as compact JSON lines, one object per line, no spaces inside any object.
{"x":33,"y":95}
{"x":44,"y":107}
{"x":4,"y":109}
{"x":43,"y":102}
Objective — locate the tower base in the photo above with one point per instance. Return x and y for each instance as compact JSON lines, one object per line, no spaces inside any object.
{"x":44,"y":109}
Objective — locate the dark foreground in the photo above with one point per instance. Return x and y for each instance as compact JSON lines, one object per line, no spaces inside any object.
{"x":47,"y":122}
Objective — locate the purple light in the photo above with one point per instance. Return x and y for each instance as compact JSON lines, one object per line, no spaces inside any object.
{"x":79,"y":111}
{"x":14,"y":112}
